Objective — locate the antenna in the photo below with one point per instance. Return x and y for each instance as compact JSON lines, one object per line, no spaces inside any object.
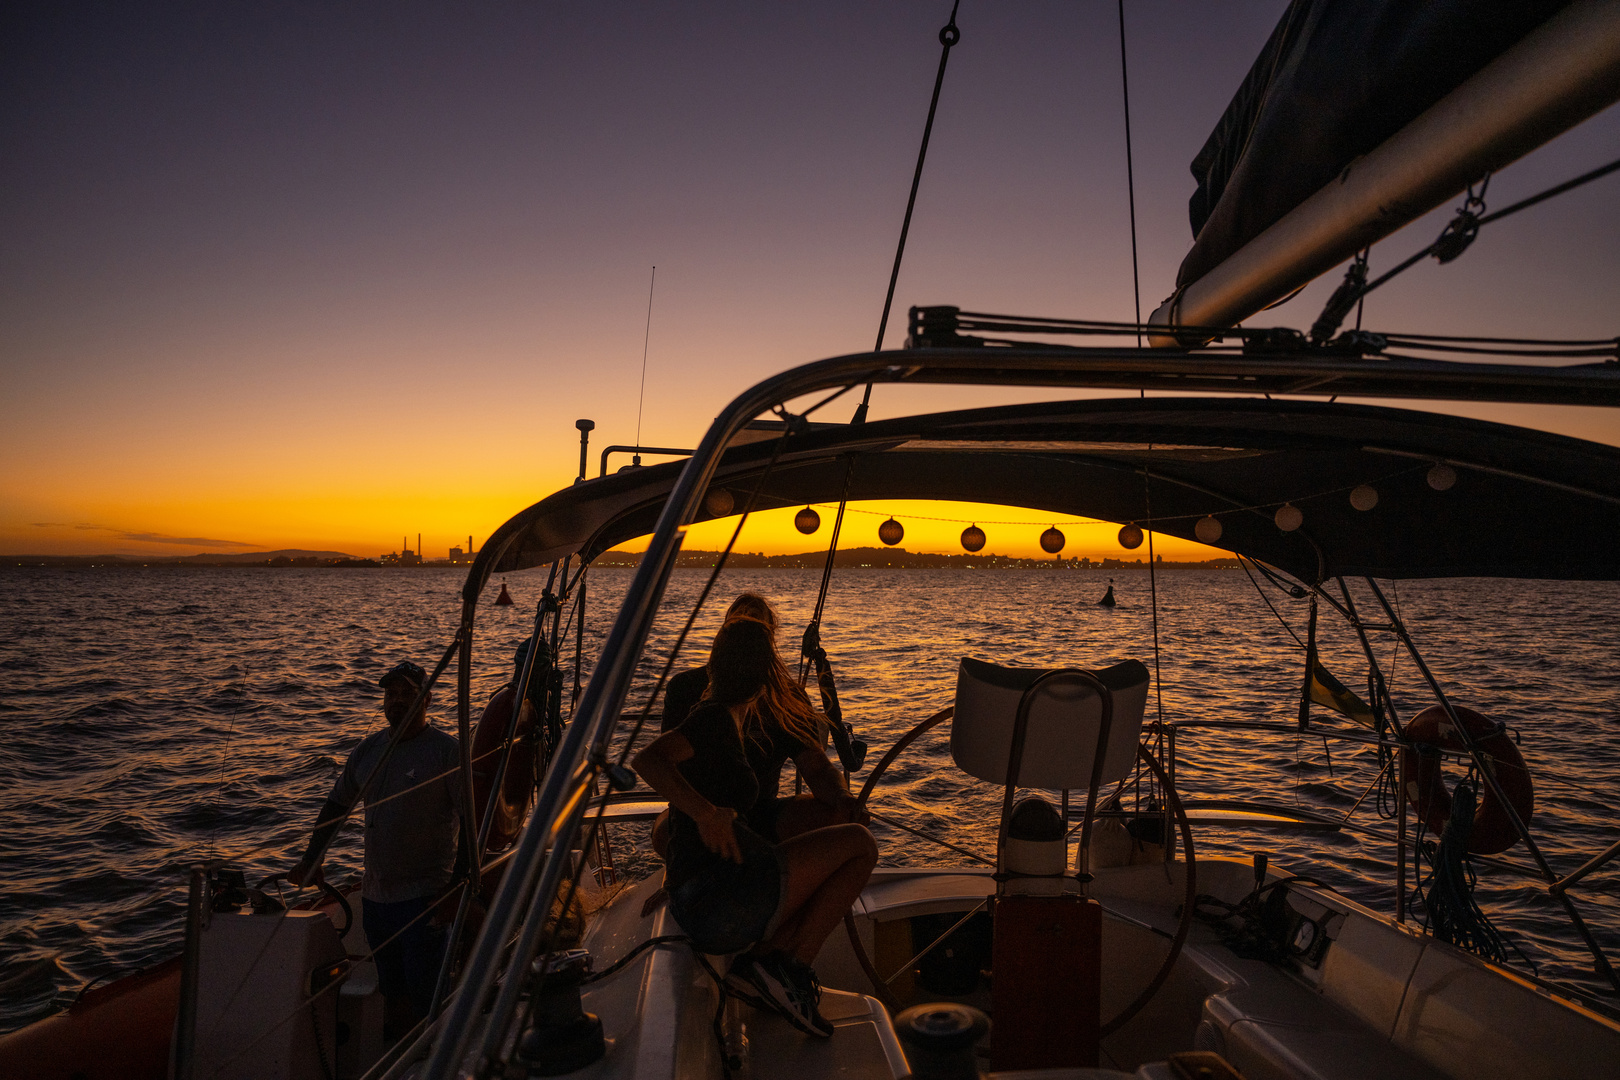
{"x":645,"y":341}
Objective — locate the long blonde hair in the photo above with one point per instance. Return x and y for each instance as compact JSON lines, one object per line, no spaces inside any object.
{"x":782,"y":698}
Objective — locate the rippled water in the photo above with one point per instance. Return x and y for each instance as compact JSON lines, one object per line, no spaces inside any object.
{"x":156,"y":714}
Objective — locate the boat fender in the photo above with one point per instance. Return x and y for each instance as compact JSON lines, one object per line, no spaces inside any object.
{"x":512,"y":806}
{"x":1433,"y":731}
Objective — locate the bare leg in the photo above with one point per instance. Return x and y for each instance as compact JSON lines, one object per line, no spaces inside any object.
{"x":826,"y":871}
{"x":803,"y":813}
{"x":660,"y":835}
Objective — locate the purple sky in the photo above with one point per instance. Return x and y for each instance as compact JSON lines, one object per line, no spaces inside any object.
{"x":320,"y":275}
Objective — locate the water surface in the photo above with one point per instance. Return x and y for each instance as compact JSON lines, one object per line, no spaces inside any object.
{"x":155,"y":715}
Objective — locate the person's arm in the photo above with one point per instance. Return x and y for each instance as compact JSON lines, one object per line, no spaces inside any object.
{"x":826,"y":783}
{"x":334,"y":812}
{"x":308,"y":870}
{"x":657,"y":765}
{"x":681,"y":697}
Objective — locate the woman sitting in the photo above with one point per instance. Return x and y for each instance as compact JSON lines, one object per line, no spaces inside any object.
{"x":790,"y":729}
{"x":731,"y":889}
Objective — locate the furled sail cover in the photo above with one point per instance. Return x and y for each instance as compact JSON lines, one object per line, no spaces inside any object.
{"x":1336,"y":79}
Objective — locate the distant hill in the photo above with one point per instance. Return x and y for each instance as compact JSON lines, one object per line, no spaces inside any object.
{"x":282,"y":557}
{"x":263,"y":556}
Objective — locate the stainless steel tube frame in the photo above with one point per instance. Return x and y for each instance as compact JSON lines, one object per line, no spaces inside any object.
{"x":555,"y":818}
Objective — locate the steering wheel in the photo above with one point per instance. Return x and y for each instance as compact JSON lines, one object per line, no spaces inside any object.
{"x":330,"y":891}
{"x":1188,"y":906}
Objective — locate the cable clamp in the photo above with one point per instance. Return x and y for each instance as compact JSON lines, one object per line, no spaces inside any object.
{"x":796,"y":423}
{"x":1460,"y":232}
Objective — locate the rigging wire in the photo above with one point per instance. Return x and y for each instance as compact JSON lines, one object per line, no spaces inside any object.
{"x":949,"y":35}
{"x":645,"y":341}
{"x":1130,"y":177}
{"x":224,"y":761}
{"x":981,"y":322}
{"x":703,"y":596}
{"x":1472,"y":222}
{"x":1244,"y":563}
{"x":1361,"y":301}
{"x":595,"y":827}
{"x":1153,"y":592}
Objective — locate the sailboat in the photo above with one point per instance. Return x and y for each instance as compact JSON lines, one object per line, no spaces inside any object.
{"x":1163,"y":963}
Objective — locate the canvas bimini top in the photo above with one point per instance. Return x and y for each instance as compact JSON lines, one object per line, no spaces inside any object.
{"x":1523,"y":503}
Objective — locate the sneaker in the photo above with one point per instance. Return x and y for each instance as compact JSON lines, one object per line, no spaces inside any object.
{"x":811,"y":987}
{"x":790,"y":989}
{"x":742,"y":983}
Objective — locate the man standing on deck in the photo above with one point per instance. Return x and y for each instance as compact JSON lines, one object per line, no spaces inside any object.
{"x":412,"y":815}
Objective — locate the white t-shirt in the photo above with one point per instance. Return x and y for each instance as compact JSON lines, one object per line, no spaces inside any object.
{"x":410,"y":840}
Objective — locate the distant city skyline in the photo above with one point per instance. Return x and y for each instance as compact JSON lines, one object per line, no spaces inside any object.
{"x":282,"y":278}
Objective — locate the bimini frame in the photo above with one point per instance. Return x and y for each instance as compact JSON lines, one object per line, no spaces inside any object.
{"x":522,"y":906}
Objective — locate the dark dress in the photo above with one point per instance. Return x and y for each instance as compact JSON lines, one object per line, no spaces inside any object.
{"x":767,"y":751}
{"x":723,"y":906}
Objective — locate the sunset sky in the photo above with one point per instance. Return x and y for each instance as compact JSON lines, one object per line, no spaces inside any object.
{"x":318,"y":276}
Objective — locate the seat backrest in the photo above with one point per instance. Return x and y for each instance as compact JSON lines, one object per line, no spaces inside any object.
{"x":1061,"y":739}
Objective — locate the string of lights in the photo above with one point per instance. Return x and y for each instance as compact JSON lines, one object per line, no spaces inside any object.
{"x":1208,"y":528}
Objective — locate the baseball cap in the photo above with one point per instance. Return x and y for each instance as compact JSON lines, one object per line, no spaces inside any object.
{"x":407,"y":671}
{"x":522,"y":653}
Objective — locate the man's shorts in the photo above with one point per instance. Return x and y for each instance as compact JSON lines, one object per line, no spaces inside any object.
{"x":408,"y":965}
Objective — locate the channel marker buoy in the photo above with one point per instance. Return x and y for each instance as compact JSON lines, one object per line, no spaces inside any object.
{"x":505,"y":599}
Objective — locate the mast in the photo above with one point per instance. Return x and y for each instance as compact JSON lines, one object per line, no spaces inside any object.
{"x":1561,"y":73}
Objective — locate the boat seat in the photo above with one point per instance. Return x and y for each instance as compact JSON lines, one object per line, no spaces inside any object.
{"x":1060,"y":742}
{"x":863,"y":1047}
{"x":1274,"y":1028}
{"x":1481,"y":1020}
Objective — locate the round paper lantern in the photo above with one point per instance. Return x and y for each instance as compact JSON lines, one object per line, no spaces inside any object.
{"x":719,"y":502}
{"x":1289,"y":517}
{"x":1052,"y":540}
{"x":1364,"y":497}
{"x":1130,"y":537}
{"x":1442,"y":476}
{"x":891,"y":532}
{"x":807,"y":521}
{"x":1208,"y":529}
{"x":973,"y":538}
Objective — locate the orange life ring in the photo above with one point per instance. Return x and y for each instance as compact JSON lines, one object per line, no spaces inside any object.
{"x":513,"y":804}
{"x":1426,"y":789}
